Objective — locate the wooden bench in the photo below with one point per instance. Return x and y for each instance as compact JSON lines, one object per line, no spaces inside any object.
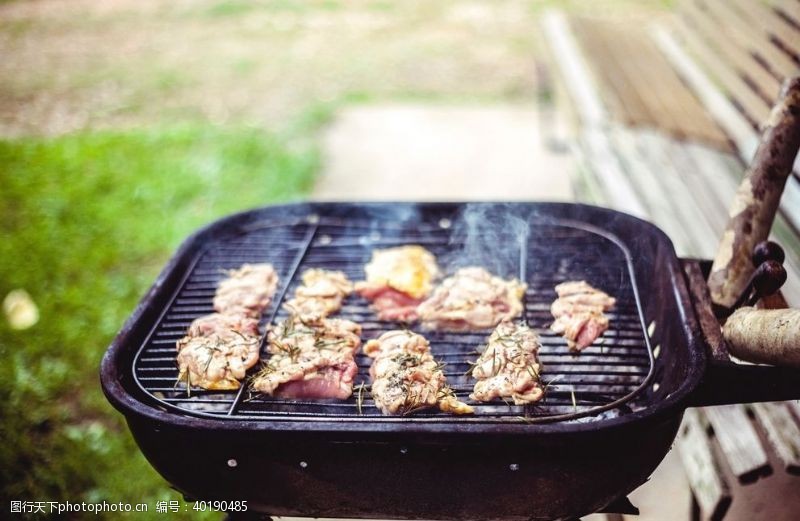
{"x":667,"y":119}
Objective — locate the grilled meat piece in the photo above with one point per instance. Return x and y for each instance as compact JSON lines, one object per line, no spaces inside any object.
{"x":219,"y":348}
{"x":217,"y":351}
{"x":221,"y":327}
{"x":321,"y":294}
{"x":212,"y":362}
{"x":472,"y":298}
{"x":397,"y":279}
{"x":406,"y":378}
{"x":579,"y":313}
{"x":391,"y":304}
{"x":310,"y":359}
{"x":247,"y":291}
{"x":509,"y":366}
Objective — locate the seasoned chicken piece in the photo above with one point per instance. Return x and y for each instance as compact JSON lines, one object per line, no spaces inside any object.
{"x":325,"y":334}
{"x":406,"y":378}
{"x":579,"y":313}
{"x":397,"y":279}
{"x":305,"y":374}
{"x":310,"y":359}
{"x":247,"y":291}
{"x":219,"y":348}
{"x":213,"y":363}
{"x":321,"y":294}
{"x":509,"y":366}
{"x":222,"y":327}
{"x":472,"y":298}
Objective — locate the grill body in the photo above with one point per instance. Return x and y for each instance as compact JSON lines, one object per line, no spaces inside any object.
{"x":609,"y":418}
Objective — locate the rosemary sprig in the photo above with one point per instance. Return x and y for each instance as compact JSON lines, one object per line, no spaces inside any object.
{"x":360,"y":398}
{"x":472,"y":365}
{"x":325,"y":344}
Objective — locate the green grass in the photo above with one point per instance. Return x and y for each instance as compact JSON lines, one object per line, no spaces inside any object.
{"x":86,"y":221}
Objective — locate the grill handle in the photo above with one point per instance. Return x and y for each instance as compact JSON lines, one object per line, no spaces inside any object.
{"x":728,"y":383}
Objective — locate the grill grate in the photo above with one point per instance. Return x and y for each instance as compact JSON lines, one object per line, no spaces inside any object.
{"x":603,"y":380}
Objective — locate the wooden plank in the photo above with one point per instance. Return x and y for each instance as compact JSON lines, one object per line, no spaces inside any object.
{"x":579,"y":83}
{"x":739,"y":442}
{"x":779,"y":31}
{"x":649,"y":73}
{"x":669,"y":97}
{"x":720,"y":171}
{"x":642,"y":177}
{"x":727,"y":47}
{"x":618,"y":190}
{"x":790,"y":9}
{"x":726,"y":115}
{"x":585,"y":185}
{"x":597,"y":43}
{"x":702,"y":469}
{"x":786,"y":236}
{"x":705,"y":194}
{"x":639,"y":85}
{"x":754,"y":107}
{"x":791,"y":201}
{"x":795,"y":407}
{"x":656,"y":149}
{"x":582,"y":88}
{"x":782,"y":432}
{"x":753,"y":40}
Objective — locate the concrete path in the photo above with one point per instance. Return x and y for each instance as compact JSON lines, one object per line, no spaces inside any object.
{"x":435,"y":152}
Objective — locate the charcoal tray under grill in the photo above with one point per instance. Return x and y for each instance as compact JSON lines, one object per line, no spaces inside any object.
{"x":604,"y":380}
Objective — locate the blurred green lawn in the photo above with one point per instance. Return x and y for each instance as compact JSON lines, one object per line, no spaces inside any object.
{"x":87,"y":221}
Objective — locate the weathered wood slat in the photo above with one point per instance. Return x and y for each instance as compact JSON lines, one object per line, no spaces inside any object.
{"x":726,"y":115}
{"x":755,"y":108}
{"x":729,"y":118}
{"x":742,"y":29}
{"x":795,"y":407}
{"x":642,"y":177}
{"x":686,"y":211}
{"x":585,"y":184}
{"x":790,"y":9}
{"x":704,"y":193}
{"x":728,"y":47}
{"x":618,"y":190}
{"x":621,"y":97}
{"x":705,"y":477}
{"x":739,"y":442}
{"x":653,"y":77}
{"x":783,"y":432}
{"x":638,"y":85}
{"x":767,"y":20}
{"x":578,"y":81}
{"x":583,"y":90}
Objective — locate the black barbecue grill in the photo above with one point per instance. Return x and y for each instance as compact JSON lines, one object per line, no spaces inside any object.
{"x":607,"y":375}
{"x":609,"y":415}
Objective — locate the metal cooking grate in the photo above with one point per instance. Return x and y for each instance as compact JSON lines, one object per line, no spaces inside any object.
{"x":605,"y":378}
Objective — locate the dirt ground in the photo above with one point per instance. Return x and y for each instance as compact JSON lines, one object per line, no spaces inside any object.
{"x":82,"y":64}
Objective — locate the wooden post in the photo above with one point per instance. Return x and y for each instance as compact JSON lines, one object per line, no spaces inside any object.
{"x":756,"y":202}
